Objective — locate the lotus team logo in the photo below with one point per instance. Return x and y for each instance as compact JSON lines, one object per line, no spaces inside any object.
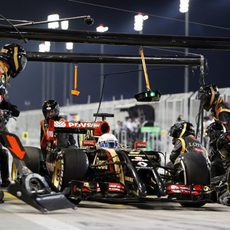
{"x":59,"y":124}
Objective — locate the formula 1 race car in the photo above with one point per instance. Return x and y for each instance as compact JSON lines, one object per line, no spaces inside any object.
{"x":133,"y":175}
{"x":92,"y":172}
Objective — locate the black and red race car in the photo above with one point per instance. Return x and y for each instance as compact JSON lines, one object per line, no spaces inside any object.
{"x":125,"y":175}
{"x":91,"y":172}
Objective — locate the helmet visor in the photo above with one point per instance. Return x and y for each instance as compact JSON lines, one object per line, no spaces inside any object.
{"x":109,"y":144}
{"x":50,"y":114}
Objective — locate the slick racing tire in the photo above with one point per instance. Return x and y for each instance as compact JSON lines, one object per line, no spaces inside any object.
{"x":194,"y":165}
{"x":71,"y":164}
{"x":33,"y":159}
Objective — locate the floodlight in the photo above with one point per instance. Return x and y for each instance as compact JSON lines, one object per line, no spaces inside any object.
{"x":52,"y":18}
{"x":184,"y":6}
{"x":101,"y":28}
{"x":138,"y":21}
{"x":69,"y":45}
{"x":65,"y":25}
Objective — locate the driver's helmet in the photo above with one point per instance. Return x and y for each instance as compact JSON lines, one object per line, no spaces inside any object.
{"x":223,"y":145}
{"x":50,"y":109}
{"x":214,"y":130}
{"x":208,"y":95}
{"x":15,"y":56}
{"x":181,"y":129}
{"x":107,"y":140}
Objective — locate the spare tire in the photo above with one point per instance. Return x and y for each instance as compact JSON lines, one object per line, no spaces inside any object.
{"x":71,"y":164}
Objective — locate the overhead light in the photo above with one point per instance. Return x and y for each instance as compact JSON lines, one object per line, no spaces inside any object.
{"x":69,"y":45}
{"x":52,"y":18}
{"x":139,"y":20}
{"x":65,"y":25}
{"x":44,"y":47}
{"x":184,"y":6}
{"x":47,"y":46}
{"x":145,"y":17}
{"x":101,"y":28}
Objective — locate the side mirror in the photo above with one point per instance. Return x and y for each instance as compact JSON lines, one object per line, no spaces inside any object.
{"x":148,"y":96}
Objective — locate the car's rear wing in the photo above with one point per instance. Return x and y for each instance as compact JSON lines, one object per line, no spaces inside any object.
{"x":98,"y":128}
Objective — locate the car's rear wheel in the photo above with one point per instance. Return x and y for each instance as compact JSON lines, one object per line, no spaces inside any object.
{"x":194,"y":165}
{"x":71,"y":164}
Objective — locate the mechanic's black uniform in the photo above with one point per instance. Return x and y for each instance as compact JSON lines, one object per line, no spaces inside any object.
{"x":186,"y":144}
{"x":4,"y":166}
{"x":64,"y":140}
{"x":221,"y":112}
{"x":217,"y":166}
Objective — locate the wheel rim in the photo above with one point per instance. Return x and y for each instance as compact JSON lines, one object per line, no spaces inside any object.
{"x":57,"y":178}
{"x":14,"y":171}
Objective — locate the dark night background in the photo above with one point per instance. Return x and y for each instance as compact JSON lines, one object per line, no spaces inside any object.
{"x":26,"y":89}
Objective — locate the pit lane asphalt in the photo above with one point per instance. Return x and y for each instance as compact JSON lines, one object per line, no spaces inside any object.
{"x":15,"y":214}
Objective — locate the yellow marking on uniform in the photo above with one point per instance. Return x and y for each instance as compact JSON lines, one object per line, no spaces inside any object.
{"x":16,"y":58}
{"x":183,"y":131}
{"x":183,"y":145}
{"x":212,"y":96}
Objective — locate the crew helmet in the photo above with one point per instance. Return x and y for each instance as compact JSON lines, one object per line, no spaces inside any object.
{"x":214,"y":130}
{"x":208,"y":95}
{"x":50,"y":109}
{"x":181,"y":129}
{"x":15,"y":56}
{"x":107,"y":140}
